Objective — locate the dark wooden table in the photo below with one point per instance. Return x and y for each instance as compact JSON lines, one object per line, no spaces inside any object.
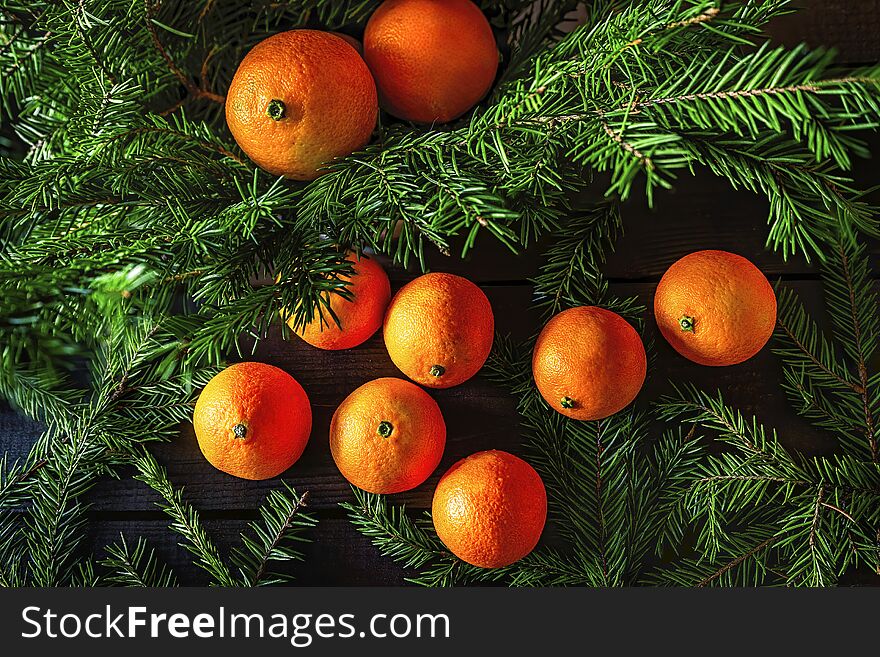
{"x":700,"y":213}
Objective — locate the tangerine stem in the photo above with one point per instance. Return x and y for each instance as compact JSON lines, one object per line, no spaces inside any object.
{"x":687,"y":323}
{"x":385,"y":428}
{"x":566,"y":402}
{"x":240,"y":431}
{"x":275,"y":109}
{"x":437,"y":370}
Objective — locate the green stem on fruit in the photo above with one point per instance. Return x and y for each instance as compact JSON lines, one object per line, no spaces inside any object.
{"x":240,"y":431}
{"x":276,"y":109}
{"x":437,"y":370}
{"x":385,"y":429}
{"x":687,"y":323}
{"x":566,"y":402}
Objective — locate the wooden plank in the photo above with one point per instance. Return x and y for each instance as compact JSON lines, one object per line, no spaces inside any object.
{"x":17,"y":433}
{"x":479,"y":415}
{"x":702,"y":211}
{"x":337,"y":556}
{"x":850,"y":27}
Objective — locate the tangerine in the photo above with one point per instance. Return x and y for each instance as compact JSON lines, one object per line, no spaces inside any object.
{"x":252,"y":420}
{"x":439,"y":330}
{"x":589,"y":363}
{"x":432,"y":59}
{"x":300,"y":99}
{"x":715,"y":308}
{"x":489,"y":509}
{"x":387,"y":436}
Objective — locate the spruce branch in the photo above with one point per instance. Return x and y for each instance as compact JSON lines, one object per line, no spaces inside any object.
{"x":570,"y":274}
{"x":413,"y":544}
{"x":852,"y":283}
{"x":830,"y":381}
{"x":822,"y":511}
{"x":392,"y":531}
{"x":274,"y":538}
{"x":760,"y":547}
{"x":184,"y":520}
{"x":136,"y":566}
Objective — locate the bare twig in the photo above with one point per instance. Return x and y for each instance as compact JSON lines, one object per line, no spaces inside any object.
{"x":704,"y":17}
{"x":617,"y":138}
{"x":815,"y":522}
{"x":812,"y":87}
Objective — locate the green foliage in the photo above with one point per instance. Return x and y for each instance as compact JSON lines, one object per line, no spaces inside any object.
{"x":803,"y":520}
{"x":412,"y":543}
{"x":137,"y":566}
{"x":139,"y":243}
{"x":271,"y":539}
{"x":716,"y":499}
{"x":185,"y":521}
{"x":829,"y":378}
{"x":570,"y":274}
{"x":274,"y":538}
{"x":137,"y":378}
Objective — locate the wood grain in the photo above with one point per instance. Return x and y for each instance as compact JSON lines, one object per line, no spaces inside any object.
{"x":849,"y":26}
{"x":700,"y":212}
{"x":479,"y":414}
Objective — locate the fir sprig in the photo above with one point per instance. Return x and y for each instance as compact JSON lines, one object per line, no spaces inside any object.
{"x":136,"y":565}
{"x":273,"y":538}
{"x":185,"y":521}
{"x":830,"y":381}
{"x":570,"y":274}
{"x":412,"y":543}
{"x":823,"y":510}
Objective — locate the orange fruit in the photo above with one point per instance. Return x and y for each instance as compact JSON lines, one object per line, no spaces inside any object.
{"x":252,"y":421}
{"x":359,"y":318}
{"x":439,"y":330}
{"x":300,"y":99}
{"x":489,"y":509}
{"x":387,"y":436}
{"x":357,"y":45}
{"x":432,"y":59}
{"x":715,"y":308}
{"x":589,"y":363}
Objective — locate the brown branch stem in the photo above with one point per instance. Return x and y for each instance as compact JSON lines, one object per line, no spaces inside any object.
{"x":300,"y":504}
{"x":839,"y":510}
{"x":870,"y":430}
{"x":194,"y":90}
{"x":733,"y":564}
{"x":813,"y":359}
